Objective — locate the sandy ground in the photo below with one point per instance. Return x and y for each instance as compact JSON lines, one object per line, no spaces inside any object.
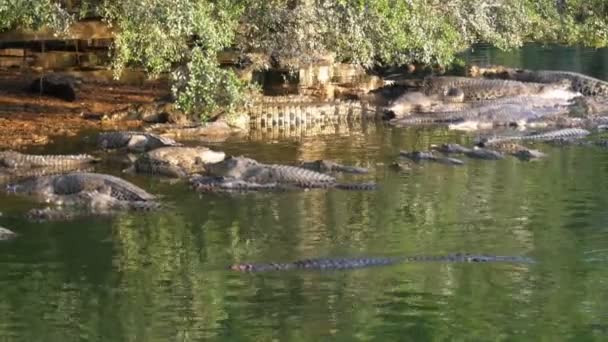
{"x":30,"y":119}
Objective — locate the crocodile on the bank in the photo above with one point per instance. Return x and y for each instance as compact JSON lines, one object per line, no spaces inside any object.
{"x":331,"y":166}
{"x":176,"y":161}
{"x":586,"y":85}
{"x":134,"y":141}
{"x":561,"y":134}
{"x":247,"y":174}
{"x":482,"y":89}
{"x":498,"y":114}
{"x":95,"y":192}
{"x":413,"y":102}
{"x":16,"y":160}
{"x":355,"y":263}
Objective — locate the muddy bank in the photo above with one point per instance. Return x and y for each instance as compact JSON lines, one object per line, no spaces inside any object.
{"x":31,"y":119}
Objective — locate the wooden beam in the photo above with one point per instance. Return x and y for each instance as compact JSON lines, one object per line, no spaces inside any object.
{"x":81,"y":30}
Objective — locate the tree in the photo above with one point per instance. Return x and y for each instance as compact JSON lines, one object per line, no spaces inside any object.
{"x":184,"y":36}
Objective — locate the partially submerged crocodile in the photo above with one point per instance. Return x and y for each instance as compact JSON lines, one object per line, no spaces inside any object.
{"x":94,"y":192}
{"x":241,"y":174}
{"x":561,"y":134}
{"x":177,"y":161}
{"x":331,"y":166}
{"x":355,"y":263}
{"x":134,"y":141}
{"x":419,"y":156}
{"x":514,"y":149}
{"x":16,"y":160}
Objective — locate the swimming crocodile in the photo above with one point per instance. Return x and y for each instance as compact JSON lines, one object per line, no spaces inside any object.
{"x":17,"y":160}
{"x":247,"y":174}
{"x":586,"y":85}
{"x":133,"y":141}
{"x":356,"y":263}
{"x":519,"y":151}
{"x":331,"y":166}
{"x":176,"y":161}
{"x":419,"y":156}
{"x":561,"y":134}
{"x":482,"y":89}
{"x":226,"y":184}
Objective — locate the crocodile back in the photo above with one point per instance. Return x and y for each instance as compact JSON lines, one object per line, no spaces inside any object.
{"x":294,"y":174}
{"x":479,"y":89}
{"x":583,"y":84}
{"x":15,"y":159}
{"x":114,"y":140}
{"x":119,"y":188}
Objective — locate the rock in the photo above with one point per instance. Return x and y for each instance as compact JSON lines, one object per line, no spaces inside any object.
{"x":55,"y":85}
{"x":7,"y":234}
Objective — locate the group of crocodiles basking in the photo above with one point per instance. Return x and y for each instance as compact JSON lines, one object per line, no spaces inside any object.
{"x":524,"y":98}
{"x":70,"y":184}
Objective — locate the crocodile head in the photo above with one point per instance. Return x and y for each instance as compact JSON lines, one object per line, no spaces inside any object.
{"x":234,"y":167}
{"x":408,"y":103}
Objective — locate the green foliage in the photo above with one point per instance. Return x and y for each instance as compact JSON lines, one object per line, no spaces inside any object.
{"x":202,"y":87}
{"x":184,"y":36}
{"x":33,"y":14}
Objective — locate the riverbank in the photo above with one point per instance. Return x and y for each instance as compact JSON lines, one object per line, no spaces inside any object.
{"x":31,"y":119}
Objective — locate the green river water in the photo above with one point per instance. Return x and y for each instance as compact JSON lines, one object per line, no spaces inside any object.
{"x":162,"y":276}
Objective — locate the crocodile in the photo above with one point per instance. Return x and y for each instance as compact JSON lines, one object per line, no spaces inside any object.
{"x":54,"y":188}
{"x":561,"y":134}
{"x":365,"y":262}
{"x":494,"y":114}
{"x":246,"y":173}
{"x":16,"y":160}
{"x":519,"y":151}
{"x":89,"y":193}
{"x":11,"y":175}
{"x":89,"y":203}
{"x":7,"y":234}
{"x":419,"y":102}
{"x":484,"y":153}
{"x":586,"y":85}
{"x":416,"y":102}
{"x":133,"y":141}
{"x":482,"y":89}
{"x":226,"y":184}
{"x":176,"y":161}
{"x":331,"y":166}
{"x":291,"y":113}
{"x":419,"y":156}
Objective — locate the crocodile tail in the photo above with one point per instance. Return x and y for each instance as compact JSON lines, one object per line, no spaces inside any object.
{"x":358,"y":186}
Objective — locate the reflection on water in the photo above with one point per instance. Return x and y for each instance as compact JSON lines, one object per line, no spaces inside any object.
{"x":162,"y":276}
